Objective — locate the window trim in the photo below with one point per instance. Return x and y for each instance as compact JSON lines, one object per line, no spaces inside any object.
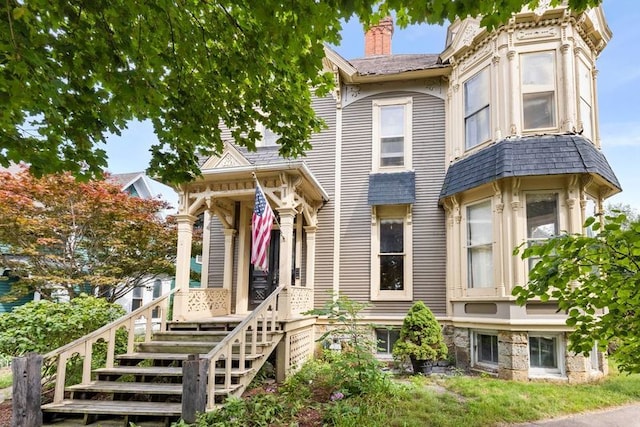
{"x":585,"y":96}
{"x":468,"y":247}
{"x":540,"y":89}
{"x":487,"y":105}
{"x":559,"y":349}
{"x":385,"y":354}
{"x":475,"y":349}
{"x":379,"y":213}
{"x":377,"y":104}
{"x":528,"y":240}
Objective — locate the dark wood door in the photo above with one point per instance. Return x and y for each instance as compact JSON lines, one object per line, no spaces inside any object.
{"x":262,"y":283}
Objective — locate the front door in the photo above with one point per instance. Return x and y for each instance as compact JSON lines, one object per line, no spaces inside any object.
{"x":262,"y":283}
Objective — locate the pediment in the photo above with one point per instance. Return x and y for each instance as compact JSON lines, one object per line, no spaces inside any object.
{"x":229,"y":158}
{"x":461,"y":36}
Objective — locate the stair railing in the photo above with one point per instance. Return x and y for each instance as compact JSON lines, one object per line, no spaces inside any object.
{"x":250,"y":332}
{"x":84,"y":346}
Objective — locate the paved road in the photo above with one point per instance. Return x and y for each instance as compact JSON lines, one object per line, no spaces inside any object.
{"x":624,"y":416}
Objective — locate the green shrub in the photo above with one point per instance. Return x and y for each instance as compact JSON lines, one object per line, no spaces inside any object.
{"x":420,"y":337}
{"x":354,"y":369}
{"x":42,"y":326}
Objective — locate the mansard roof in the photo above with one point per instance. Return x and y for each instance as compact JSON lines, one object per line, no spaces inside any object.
{"x":528,"y":156}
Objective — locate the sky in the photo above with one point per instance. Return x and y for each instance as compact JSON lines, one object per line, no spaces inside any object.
{"x":618,"y":84}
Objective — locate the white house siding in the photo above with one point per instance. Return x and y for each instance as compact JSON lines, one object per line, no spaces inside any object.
{"x":321,"y":161}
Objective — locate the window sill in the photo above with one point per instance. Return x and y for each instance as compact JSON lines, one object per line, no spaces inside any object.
{"x":392,"y":296}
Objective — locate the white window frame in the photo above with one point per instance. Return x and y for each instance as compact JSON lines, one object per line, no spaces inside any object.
{"x":485,"y":105}
{"x":540,"y":89}
{"x":378,"y":104}
{"x":469,"y":247}
{"x":476,"y":348}
{"x":559,"y":370}
{"x":585,"y":99}
{"x":531,"y":262}
{"x":137,"y":294}
{"x":386,"y":353}
{"x":400,"y":212}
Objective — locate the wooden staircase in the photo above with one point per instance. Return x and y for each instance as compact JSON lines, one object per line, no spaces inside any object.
{"x":146,"y":382}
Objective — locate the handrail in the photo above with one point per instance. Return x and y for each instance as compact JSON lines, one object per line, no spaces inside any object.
{"x":84,"y":345}
{"x":224,"y":348}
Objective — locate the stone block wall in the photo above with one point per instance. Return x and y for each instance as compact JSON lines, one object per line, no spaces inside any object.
{"x":513,"y":355}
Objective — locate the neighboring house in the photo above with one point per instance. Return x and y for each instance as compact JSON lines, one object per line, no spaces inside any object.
{"x":431,"y":170}
{"x":136,"y":184}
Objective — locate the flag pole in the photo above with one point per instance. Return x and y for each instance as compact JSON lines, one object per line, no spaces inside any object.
{"x":255,"y":178}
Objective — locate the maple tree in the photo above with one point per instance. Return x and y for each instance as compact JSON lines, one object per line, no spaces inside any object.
{"x":81,"y":237}
{"x":73,"y":71}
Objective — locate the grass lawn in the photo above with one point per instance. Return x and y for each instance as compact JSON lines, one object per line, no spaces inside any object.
{"x":5,"y":377}
{"x":477,"y":401}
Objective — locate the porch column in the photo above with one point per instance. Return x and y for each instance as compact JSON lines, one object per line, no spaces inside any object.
{"x":227,"y":278}
{"x":286,"y":245}
{"x":310,"y":232}
{"x":183,"y":265}
{"x":206,"y":240}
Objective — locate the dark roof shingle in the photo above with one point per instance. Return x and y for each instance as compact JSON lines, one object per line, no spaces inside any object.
{"x":527,"y":156}
{"x":394,"y":64}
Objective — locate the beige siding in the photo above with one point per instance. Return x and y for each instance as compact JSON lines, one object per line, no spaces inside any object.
{"x":428,"y":218}
{"x":321,"y":161}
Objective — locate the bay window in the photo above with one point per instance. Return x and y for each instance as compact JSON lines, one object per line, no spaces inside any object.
{"x":538,"y":90}
{"x":542,"y":219}
{"x":476,"y":109}
{"x":480,"y":245}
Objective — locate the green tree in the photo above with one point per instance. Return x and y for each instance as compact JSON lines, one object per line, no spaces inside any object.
{"x":72,"y":71}
{"x":596,"y":281}
{"x":58,"y":233}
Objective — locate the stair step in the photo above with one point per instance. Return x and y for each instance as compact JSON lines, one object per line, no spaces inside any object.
{"x":138,"y":387}
{"x":175,"y":356}
{"x":186,"y":347}
{"x":127,"y":387}
{"x":166,"y":371}
{"x":197,"y":336}
{"x":118,"y":407}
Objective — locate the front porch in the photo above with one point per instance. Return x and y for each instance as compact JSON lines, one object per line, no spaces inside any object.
{"x":223,"y":197}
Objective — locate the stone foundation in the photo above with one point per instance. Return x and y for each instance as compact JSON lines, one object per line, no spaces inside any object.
{"x":513,"y":355}
{"x":513,"y":358}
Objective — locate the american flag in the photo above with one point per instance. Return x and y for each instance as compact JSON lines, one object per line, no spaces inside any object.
{"x":261,"y":230}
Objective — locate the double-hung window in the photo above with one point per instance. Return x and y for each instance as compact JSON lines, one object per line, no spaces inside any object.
{"x":542,"y":219}
{"x":538,"y":90}
{"x":391,"y":260}
{"x":480,"y":245}
{"x":392,"y":134}
{"x":136,"y":298}
{"x":476,"y":109}
{"x":586,"y":99}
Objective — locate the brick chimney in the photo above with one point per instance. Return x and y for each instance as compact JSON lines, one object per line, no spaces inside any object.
{"x":377,"y":41}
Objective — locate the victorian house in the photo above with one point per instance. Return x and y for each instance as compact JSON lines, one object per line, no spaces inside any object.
{"x":431,"y":170}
